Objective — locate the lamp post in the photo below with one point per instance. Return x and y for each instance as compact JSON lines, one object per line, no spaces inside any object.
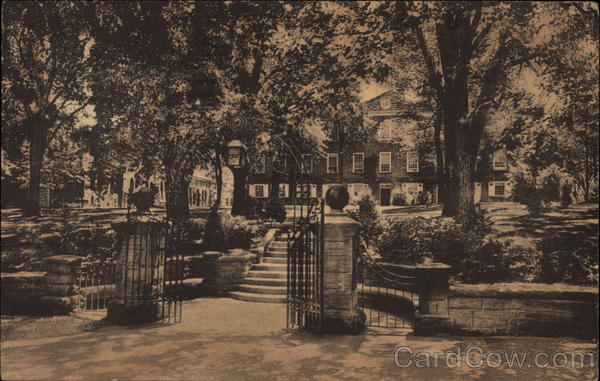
{"x":236,"y":152}
{"x":236,"y":160}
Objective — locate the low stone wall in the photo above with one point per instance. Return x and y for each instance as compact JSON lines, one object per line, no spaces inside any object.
{"x":523,"y":309}
{"x":22,"y":292}
{"x":223,"y":272}
{"x":41,"y":292}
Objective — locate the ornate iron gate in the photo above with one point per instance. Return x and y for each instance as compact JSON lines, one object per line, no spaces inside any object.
{"x":388,"y":298}
{"x":305,"y":262}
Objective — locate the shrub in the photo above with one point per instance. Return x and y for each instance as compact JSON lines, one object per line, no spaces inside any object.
{"x":550,"y":179}
{"x":227,"y":232}
{"x":566,"y":258}
{"x":142,"y":198}
{"x":472,"y":257}
{"x":538,"y":191}
{"x":214,"y":234}
{"x":253,"y":208}
{"x":424,"y":198}
{"x":368,"y":216}
{"x":480,"y":222}
{"x":260,"y":210}
{"x":93,"y":241}
{"x":188,"y":237}
{"x":275,"y":209}
{"x":527,"y":192}
{"x":565,"y":195}
{"x":238,"y":232}
{"x":399,"y":199}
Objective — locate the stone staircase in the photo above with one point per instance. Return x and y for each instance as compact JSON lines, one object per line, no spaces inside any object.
{"x":267,"y":281}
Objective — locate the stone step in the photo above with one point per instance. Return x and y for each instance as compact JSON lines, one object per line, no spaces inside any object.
{"x":261,"y":289}
{"x":270,"y":266}
{"x":282,"y":282}
{"x":276,"y":255}
{"x":267,"y":274}
{"x":264,"y":298}
{"x":275,"y":260}
{"x":277,"y":252}
{"x":279,"y":245}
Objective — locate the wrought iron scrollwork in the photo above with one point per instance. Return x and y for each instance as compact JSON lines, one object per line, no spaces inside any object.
{"x":305,"y":263}
{"x":379,"y":291}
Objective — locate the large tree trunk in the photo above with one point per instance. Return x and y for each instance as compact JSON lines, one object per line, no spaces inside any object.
{"x":454,"y":41}
{"x":238,"y":205}
{"x":37,"y":148}
{"x":177,"y":201}
{"x":460,"y":186}
{"x":440,"y":169}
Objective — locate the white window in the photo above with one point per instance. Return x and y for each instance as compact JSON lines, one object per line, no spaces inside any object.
{"x":499,"y":161}
{"x":258,"y":190}
{"x":307,"y":162}
{"x":385,"y":162}
{"x":283,"y":190}
{"x":358,"y":162}
{"x":332,"y":163}
{"x":260,"y":165}
{"x":412,"y":161}
{"x":499,"y":189}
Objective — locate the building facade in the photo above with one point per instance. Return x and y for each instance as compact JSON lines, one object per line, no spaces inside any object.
{"x":201,"y":191}
{"x":381,"y":166}
{"x":385,"y":166}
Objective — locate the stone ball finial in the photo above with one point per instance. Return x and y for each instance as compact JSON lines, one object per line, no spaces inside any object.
{"x":337,"y":197}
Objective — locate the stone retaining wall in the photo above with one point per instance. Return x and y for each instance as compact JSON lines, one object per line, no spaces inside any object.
{"x":223,"y":272}
{"x":41,"y":292}
{"x":524,"y":309}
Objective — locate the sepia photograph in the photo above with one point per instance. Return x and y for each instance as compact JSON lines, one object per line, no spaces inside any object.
{"x":300,"y":190}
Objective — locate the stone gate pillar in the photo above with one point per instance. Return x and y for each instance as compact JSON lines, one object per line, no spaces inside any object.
{"x":139,"y":272}
{"x":340,"y":298}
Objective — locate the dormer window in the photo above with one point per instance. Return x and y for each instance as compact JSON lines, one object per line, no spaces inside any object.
{"x":499,"y":161}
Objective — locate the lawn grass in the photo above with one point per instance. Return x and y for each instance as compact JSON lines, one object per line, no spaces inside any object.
{"x":513,"y":221}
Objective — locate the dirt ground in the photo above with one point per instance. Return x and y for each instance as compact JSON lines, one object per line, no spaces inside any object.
{"x":225,"y":339}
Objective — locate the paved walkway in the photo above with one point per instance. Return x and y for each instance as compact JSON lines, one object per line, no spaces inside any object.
{"x":225,"y":339}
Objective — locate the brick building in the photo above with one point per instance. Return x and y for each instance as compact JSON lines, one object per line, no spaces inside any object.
{"x":382,"y":166}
